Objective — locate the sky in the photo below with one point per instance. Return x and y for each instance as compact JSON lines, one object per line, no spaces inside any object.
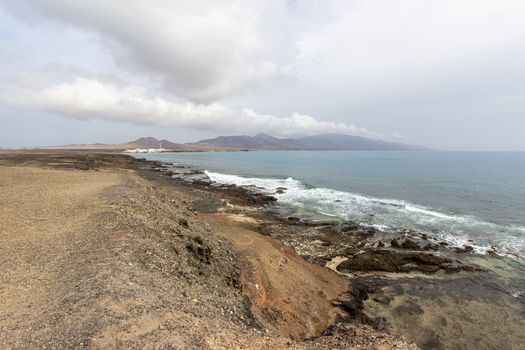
{"x":444,"y":74}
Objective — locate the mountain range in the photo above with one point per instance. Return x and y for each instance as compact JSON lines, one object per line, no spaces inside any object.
{"x":324,"y":142}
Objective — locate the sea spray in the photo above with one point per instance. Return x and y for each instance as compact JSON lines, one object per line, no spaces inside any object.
{"x":389,"y":214}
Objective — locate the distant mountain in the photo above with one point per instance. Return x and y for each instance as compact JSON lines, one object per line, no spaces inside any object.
{"x":260,"y":141}
{"x":151,"y":142}
{"x":324,"y":142}
{"x":143,"y":142}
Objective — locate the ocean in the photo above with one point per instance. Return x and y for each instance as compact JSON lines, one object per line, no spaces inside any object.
{"x":474,"y":198}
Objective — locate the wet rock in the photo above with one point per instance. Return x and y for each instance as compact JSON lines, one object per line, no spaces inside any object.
{"x":347,"y":226}
{"x":431,"y":247}
{"x":410,"y":244}
{"x":201,"y":182}
{"x":392,"y":261}
{"x":464,"y":249}
{"x":492,"y":251}
{"x":349,"y":307}
{"x":280,"y":190}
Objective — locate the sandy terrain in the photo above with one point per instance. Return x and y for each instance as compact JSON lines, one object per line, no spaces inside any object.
{"x":287,"y":292}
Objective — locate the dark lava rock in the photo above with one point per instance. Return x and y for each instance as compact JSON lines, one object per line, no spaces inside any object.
{"x":183,"y":222}
{"x":464,"y":249}
{"x":383,"y":299}
{"x":410,"y":244}
{"x":201,"y":253}
{"x":201,"y":182}
{"x":380,"y":244}
{"x":85,"y":164}
{"x":394,"y":243}
{"x":349,"y":307}
{"x":264,"y":199}
{"x":347,"y":226}
{"x":280,"y":190}
{"x":392,"y":261}
{"x":431,"y":247}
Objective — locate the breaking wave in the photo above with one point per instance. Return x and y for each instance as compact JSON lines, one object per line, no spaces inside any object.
{"x":389,"y":214}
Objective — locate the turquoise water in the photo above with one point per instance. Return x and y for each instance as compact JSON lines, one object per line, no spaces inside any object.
{"x":463,"y":197}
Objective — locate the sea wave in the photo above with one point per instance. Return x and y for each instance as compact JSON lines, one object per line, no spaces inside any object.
{"x":390,"y":214}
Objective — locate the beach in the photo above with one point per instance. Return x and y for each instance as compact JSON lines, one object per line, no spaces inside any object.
{"x":102,"y":251}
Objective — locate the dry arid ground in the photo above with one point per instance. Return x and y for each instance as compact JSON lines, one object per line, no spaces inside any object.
{"x":96,"y":256}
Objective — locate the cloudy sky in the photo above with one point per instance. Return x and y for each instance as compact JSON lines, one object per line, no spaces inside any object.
{"x":447,"y":74}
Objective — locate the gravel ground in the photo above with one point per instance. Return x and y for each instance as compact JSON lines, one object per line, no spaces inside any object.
{"x":96,"y":256}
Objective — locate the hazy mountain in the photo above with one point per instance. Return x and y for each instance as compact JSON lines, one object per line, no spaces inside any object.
{"x":324,"y":142}
{"x":317,"y":142}
{"x":143,"y":142}
{"x":151,"y":142}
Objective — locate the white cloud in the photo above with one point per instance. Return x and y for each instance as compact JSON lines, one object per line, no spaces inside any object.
{"x":425,"y":69}
{"x":381,"y":49}
{"x":88,"y":99}
{"x":200,"y":50}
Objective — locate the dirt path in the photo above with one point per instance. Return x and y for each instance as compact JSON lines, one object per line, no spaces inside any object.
{"x":98,"y":259}
{"x":42,"y":238}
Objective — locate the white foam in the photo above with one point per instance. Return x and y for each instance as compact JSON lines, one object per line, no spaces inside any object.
{"x":267,"y":184}
{"x":386,"y":214}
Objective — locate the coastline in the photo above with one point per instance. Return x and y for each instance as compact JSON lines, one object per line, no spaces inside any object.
{"x":261,"y":254}
{"x":410,"y":284}
{"x":100,"y":252}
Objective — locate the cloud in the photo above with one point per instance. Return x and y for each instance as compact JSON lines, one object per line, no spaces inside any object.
{"x":86,"y":99}
{"x":437,"y":71}
{"x":377,"y":50}
{"x":200,"y":50}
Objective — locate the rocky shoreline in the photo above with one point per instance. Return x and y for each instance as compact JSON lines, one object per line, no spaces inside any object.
{"x":163,"y":258}
{"x":101,"y":251}
{"x":322,"y":241}
{"x":382,"y":269}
